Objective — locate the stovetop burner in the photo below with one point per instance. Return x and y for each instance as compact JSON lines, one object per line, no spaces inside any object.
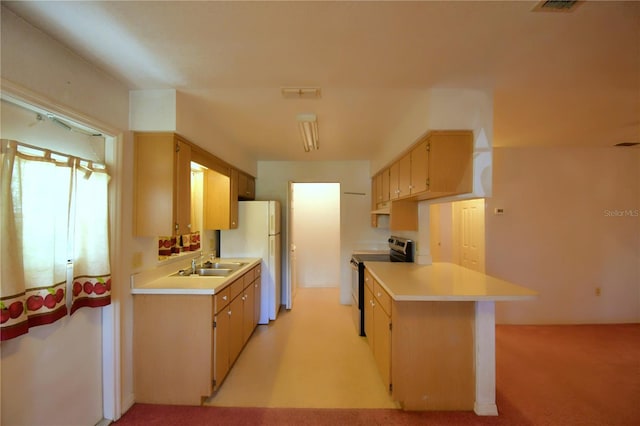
{"x":400,"y":250}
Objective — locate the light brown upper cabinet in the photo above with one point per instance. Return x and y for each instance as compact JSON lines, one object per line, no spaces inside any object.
{"x":384,"y":185}
{"x":449,"y":164}
{"x":162,"y":184}
{"x":419,"y":167}
{"x":380,"y":189}
{"x":438,"y":165}
{"x":400,"y":178}
{"x":246,"y":187}
{"x":376,"y":194}
{"x":220,"y":199}
{"x":394,"y":181}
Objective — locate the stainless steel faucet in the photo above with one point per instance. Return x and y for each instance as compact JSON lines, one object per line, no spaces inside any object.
{"x":193,"y":266}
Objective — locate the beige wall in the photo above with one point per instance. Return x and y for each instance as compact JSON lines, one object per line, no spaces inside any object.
{"x":41,"y":65}
{"x":570,"y":224}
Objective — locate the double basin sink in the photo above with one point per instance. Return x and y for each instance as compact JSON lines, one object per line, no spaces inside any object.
{"x":211,"y":269}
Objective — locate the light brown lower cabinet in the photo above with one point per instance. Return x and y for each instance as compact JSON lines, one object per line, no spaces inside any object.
{"x":378,"y":326}
{"x":257,"y":294}
{"x":423,"y":350}
{"x":185,"y":345}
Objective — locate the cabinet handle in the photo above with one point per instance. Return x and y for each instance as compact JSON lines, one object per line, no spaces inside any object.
{"x":379,"y":294}
{"x":224,"y":297}
{"x":229,"y":313}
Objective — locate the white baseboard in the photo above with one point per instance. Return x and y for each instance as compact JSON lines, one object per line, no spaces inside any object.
{"x":485,"y":409}
{"x":128,"y":402}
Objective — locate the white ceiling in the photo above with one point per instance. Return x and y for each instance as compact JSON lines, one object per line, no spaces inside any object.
{"x":557,"y":78}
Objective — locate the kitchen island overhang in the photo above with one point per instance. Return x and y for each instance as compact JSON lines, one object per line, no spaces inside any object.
{"x":444,"y":314}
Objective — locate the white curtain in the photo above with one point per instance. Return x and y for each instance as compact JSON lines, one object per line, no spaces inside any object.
{"x":55,"y":256}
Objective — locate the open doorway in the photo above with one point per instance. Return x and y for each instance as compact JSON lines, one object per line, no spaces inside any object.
{"x":314,"y":235}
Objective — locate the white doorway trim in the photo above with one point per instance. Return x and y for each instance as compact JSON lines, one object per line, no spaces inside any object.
{"x":291,"y":282}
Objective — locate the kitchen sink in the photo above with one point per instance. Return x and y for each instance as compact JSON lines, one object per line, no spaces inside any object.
{"x":219,"y":265}
{"x":204,"y":272}
{"x":211,"y":269}
{"x":215,"y":272}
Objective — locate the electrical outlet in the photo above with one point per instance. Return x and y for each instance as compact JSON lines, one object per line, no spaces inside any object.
{"x":598,"y":291}
{"x":498,"y":211}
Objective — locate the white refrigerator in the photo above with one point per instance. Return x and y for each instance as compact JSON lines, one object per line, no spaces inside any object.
{"x":258,"y":235}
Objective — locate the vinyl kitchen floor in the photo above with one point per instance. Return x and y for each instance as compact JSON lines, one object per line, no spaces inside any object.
{"x":309,"y":357}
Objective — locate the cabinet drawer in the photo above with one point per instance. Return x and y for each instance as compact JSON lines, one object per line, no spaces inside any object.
{"x":236,"y":288}
{"x":368,"y":279}
{"x":248,"y":279}
{"x":384,"y":300}
{"x":221,"y":299}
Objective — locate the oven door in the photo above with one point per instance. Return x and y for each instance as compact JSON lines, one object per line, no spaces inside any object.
{"x":356,"y":312}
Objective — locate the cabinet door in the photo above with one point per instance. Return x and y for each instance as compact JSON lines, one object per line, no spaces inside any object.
{"x":246,"y":187}
{"x":235,"y":328}
{"x":221,"y":346}
{"x":248,"y":310}
{"x":233,"y":201}
{"x":382,"y":343}
{"x":182,"y":188}
{"x":217,"y":200}
{"x":394,"y":182}
{"x":154,"y":184}
{"x":419,"y":167}
{"x":451,"y":162}
{"x":257,"y":296}
{"x":384,"y":186}
{"x":404,"y":176}
{"x":376,"y":191}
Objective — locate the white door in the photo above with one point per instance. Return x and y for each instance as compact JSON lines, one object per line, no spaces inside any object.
{"x":469,"y":220}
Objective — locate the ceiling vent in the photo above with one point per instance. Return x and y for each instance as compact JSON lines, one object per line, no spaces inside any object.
{"x":557,"y":6}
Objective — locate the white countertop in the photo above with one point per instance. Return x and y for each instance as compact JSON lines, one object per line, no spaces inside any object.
{"x":192,"y":284}
{"x":443,"y":282}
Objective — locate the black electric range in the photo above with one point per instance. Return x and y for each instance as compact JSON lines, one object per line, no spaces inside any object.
{"x":400,"y":250}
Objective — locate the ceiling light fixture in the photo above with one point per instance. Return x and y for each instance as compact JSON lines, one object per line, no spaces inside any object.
{"x":300,"y":92}
{"x":308,"y":125}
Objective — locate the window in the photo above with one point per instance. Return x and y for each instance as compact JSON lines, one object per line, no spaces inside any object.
{"x":55,"y":237}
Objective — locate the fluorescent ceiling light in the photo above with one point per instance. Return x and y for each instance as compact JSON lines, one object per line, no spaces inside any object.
{"x":308,"y":125}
